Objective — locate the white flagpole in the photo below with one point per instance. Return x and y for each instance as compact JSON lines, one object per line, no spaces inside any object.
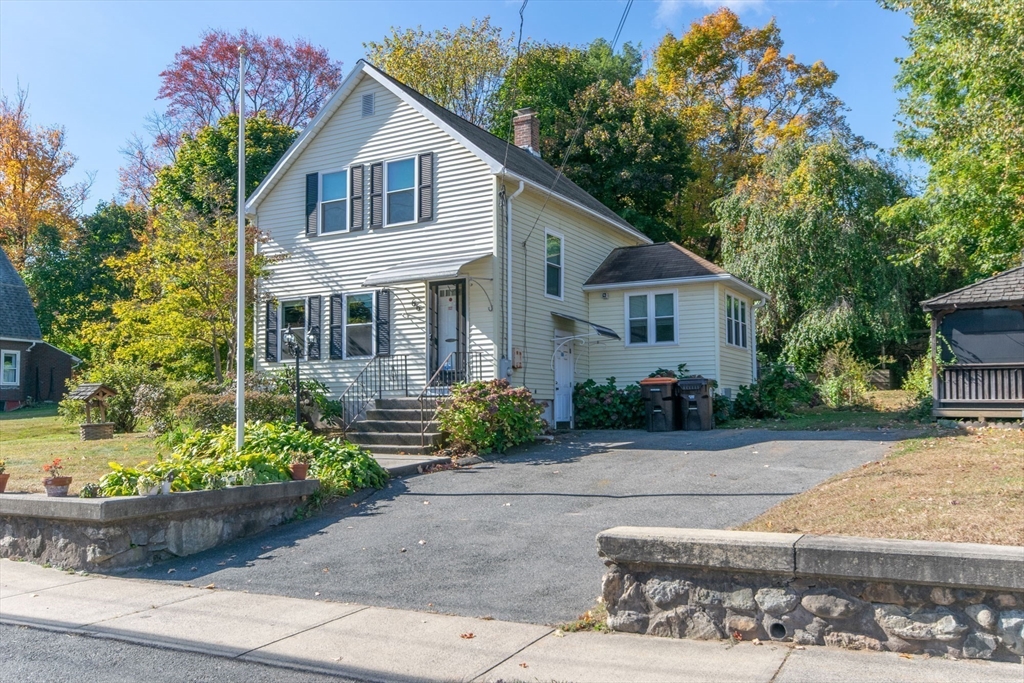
{"x":240,"y":251}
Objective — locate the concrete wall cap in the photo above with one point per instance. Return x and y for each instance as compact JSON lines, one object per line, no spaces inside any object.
{"x":103,"y":510}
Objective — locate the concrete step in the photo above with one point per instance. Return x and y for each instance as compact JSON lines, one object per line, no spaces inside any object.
{"x":388,"y":449}
{"x":398,"y":414}
{"x":409,"y":427}
{"x":371,"y":439}
{"x":397,"y":404}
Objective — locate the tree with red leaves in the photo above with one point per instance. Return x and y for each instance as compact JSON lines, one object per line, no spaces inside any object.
{"x":288,"y":81}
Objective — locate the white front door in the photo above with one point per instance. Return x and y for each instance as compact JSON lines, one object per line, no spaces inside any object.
{"x":447,"y":323}
{"x":564,"y":375}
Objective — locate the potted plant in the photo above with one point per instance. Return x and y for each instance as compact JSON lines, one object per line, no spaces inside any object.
{"x":90,"y":490}
{"x":165,"y":484}
{"x":4,"y":476}
{"x":300,"y":465}
{"x":147,"y":485}
{"x":55,"y":482}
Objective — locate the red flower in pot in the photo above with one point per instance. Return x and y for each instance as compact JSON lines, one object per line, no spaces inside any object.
{"x":55,"y":482}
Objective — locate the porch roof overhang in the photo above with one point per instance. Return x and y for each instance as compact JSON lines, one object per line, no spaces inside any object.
{"x":599,"y":329}
{"x":421,"y":271}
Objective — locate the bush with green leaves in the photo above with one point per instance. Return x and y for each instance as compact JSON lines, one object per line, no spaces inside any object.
{"x":135,"y":384}
{"x":210,"y":411}
{"x":775,"y":394}
{"x":489,"y":416}
{"x":919,"y":383}
{"x":605,"y":406}
{"x":843,"y":378}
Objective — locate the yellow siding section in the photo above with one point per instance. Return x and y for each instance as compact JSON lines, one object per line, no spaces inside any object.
{"x":587,"y":242}
{"x":696,"y":325}
{"x":736,"y":362}
{"x":463,"y":224}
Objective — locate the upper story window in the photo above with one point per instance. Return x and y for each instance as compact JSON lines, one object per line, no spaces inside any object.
{"x":554,"y":270}
{"x":333,"y":202}
{"x":735,"y":321}
{"x":651,"y":318}
{"x":293,"y":319}
{"x":10,"y":367}
{"x":401,"y":191}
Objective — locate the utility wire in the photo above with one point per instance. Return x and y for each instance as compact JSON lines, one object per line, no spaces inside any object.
{"x":515,"y":85}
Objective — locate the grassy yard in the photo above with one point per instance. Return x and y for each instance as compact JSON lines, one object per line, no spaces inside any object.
{"x":881,"y":409}
{"x":960,"y":487}
{"x":30,"y":438}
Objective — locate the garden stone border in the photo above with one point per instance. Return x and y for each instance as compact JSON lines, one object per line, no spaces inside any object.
{"x":130,"y":531}
{"x":952,"y":599}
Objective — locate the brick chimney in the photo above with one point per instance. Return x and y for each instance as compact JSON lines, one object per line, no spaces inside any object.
{"x":527,"y":131}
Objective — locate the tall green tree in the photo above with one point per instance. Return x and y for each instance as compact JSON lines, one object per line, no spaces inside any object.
{"x":806,"y":231}
{"x":461,"y":70}
{"x":740,"y":97}
{"x":70,"y":280}
{"x":962,"y":112}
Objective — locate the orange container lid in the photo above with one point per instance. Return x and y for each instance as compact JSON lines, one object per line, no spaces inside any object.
{"x":658,"y":380}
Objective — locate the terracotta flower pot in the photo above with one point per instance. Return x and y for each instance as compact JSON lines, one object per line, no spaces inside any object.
{"x":298,"y":470}
{"x":3,"y":480}
{"x":57,"y":487}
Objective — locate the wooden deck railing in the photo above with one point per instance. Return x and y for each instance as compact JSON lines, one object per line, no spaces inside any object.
{"x":981,"y":383}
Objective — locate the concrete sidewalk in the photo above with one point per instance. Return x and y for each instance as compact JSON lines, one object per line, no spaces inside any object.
{"x":376,"y":644}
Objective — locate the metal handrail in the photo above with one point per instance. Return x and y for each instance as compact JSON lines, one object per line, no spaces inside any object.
{"x":450,"y":374}
{"x":380,"y":374}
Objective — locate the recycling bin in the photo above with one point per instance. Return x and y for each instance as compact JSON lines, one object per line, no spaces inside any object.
{"x":695,"y":408}
{"x":661,"y":404}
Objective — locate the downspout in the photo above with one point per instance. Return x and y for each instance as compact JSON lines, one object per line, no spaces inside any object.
{"x":508,"y":275}
{"x":754,"y":338}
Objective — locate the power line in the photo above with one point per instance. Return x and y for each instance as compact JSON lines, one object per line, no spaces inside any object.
{"x":515,"y":83}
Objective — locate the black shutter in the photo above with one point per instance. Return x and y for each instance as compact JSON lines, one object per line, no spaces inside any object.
{"x":357,"y":220}
{"x":426,"y":186}
{"x":312,"y":198}
{"x":271,"y":350}
{"x":313,"y":328}
{"x":383,"y":322}
{"x":337,"y":323}
{"x":376,"y":195}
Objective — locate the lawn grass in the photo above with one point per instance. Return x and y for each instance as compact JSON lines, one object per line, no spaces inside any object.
{"x":879,"y":410}
{"x":30,"y":438}
{"x":963,"y":487}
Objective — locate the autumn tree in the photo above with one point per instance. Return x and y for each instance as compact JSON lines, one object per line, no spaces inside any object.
{"x":288,"y":81}
{"x":462,"y":70}
{"x":34,"y":188}
{"x":740,"y":97}
{"x":806,"y":230}
{"x":962,"y":112}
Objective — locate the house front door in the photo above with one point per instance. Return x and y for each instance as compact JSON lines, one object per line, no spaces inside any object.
{"x":565,"y":364}
{"x":447,"y":328}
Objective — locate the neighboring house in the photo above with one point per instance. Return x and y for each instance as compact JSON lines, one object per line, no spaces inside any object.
{"x":410,"y":248}
{"x":978,"y":332}
{"x":31,"y":370}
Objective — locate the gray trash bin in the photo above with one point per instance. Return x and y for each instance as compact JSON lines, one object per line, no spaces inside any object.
{"x":661,"y":404}
{"x":696,"y":411}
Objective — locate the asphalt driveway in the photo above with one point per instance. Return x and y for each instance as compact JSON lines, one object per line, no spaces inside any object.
{"x":514,"y":538}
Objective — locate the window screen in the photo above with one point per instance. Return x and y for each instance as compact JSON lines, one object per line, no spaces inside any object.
{"x":984,"y":335}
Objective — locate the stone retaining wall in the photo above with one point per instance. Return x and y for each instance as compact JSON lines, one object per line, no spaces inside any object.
{"x":131,"y":531}
{"x":953,"y":599}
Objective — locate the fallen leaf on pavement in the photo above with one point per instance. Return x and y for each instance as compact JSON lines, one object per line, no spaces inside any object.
{"x":210,"y":586}
{"x":524,"y":665}
{"x":906,"y":656}
{"x":467,"y":636}
{"x":422,"y":542}
{"x":402,"y":550}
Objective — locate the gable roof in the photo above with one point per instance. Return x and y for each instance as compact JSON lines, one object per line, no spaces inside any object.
{"x":492,"y":150}
{"x":999,"y":290}
{"x":17,"y":316}
{"x":662,"y":263}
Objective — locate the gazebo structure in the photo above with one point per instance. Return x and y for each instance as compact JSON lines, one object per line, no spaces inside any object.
{"x":977,"y":345}
{"x":95,"y":397}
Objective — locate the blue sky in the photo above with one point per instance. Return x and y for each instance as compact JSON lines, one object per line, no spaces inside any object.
{"x":94,"y":67}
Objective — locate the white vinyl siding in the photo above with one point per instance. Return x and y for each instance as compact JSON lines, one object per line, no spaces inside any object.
{"x":735,"y":358}
{"x":463,"y":225}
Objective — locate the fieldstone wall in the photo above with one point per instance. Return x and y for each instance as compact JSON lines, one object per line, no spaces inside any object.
{"x":704,"y":600}
{"x":122,"y":533}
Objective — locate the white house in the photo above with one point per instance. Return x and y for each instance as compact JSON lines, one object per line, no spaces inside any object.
{"x":413,"y":249}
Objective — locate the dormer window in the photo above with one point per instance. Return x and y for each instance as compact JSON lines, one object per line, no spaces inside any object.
{"x":334,"y":202}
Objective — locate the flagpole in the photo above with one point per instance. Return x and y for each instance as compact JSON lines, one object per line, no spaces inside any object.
{"x":240,"y":251}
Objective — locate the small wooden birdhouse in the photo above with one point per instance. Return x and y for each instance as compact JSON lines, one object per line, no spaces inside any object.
{"x":95,"y":397}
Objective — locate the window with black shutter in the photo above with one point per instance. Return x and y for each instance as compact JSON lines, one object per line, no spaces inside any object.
{"x":337,"y":341}
{"x":313,"y":328}
{"x":426,"y":183}
{"x":383,"y":322}
{"x":271,"y":353}
{"x":376,"y":195}
{"x":312,"y":199}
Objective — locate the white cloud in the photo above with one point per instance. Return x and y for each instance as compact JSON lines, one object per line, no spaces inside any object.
{"x":669,"y":11}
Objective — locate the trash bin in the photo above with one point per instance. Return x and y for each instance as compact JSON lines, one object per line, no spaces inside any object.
{"x":661,"y":403}
{"x":695,"y":407}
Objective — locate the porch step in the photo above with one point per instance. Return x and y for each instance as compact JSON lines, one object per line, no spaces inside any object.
{"x":384,"y":449}
{"x":397,"y":414}
{"x":403,"y":426}
{"x":397,"y":404}
{"x":373,"y":439}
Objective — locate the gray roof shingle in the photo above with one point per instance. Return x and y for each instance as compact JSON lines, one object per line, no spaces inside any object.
{"x":999,"y":290}
{"x":662,"y":261}
{"x":17,"y":316}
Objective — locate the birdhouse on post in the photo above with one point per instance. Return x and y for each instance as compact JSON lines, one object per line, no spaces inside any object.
{"x":95,"y":397}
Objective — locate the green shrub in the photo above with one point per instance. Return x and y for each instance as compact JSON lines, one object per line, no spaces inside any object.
{"x":210,"y":411}
{"x":721,"y":408}
{"x":605,"y":406}
{"x":489,"y":416}
{"x":135,"y":385}
{"x":777,"y":392}
{"x":843,"y":377}
{"x":919,"y":378}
